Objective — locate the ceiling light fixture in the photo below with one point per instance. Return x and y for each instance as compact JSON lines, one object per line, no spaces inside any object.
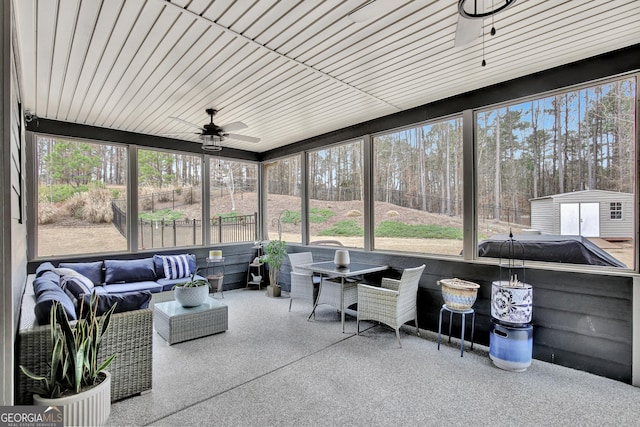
{"x":211,"y":143}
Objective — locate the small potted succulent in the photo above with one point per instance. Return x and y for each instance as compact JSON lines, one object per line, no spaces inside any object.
{"x":193,"y":292}
{"x":77,"y":380}
{"x":274,"y":254}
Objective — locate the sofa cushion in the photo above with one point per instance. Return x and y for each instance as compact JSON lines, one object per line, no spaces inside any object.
{"x":159,"y":264}
{"x":176,"y":266}
{"x":153,"y":287}
{"x":77,"y":285}
{"x":102,"y":289}
{"x":168,"y":284}
{"x":126,"y":301}
{"x":125,"y":271}
{"x":92,"y":270}
{"x":45,"y":301}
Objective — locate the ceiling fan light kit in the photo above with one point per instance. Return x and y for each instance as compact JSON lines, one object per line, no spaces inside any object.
{"x":211,"y":143}
{"x":212,"y":135}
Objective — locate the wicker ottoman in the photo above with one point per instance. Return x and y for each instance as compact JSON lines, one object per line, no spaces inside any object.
{"x":176,"y":323}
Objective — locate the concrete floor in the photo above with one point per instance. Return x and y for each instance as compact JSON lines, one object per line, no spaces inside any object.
{"x":275,"y":368}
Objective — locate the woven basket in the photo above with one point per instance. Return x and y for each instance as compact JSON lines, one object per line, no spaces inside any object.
{"x":459,"y":294}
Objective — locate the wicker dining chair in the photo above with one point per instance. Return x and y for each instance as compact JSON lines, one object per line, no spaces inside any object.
{"x":394,"y":303}
{"x":330,"y":293}
{"x":303,"y":283}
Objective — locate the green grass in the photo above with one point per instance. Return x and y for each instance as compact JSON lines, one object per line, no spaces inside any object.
{"x":59,"y":192}
{"x":316,"y":216}
{"x":343,"y":228}
{"x":166,"y":214}
{"x":418,"y":231}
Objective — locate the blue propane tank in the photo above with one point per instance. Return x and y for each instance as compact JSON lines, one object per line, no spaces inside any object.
{"x":511,"y":347}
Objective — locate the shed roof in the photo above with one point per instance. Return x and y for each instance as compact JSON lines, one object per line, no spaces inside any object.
{"x":585,"y":192}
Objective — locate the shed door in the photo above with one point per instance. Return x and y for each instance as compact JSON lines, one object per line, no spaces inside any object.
{"x":580,"y":219}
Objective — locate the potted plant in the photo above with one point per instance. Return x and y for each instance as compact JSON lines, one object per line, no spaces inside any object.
{"x":193,"y":292}
{"x":77,"y":380}
{"x":274,"y":254}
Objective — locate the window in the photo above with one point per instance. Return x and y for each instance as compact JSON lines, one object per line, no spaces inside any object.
{"x":233,"y":200}
{"x":169,"y":199}
{"x":81,"y":190}
{"x":417,"y":185}
{"x":576,"y":146}
{"x":284,"y":201}
{"x":336,"y":199}
{"x":615,"y":210}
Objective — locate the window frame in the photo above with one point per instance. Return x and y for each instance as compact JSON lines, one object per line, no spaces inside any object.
{"x":615,"y":211}
{"x":636,"y":185}
{"x":431,"y":121}
{"x":366,"y":159}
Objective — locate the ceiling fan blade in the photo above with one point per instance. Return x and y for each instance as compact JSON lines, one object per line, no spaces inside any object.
{"x":242,"y":137}
{"x":180,"y":133}
{"x":187,"y":123}
{"x":467,"y":30}
{"x":373,"y":9}
{"x":231,"y":127}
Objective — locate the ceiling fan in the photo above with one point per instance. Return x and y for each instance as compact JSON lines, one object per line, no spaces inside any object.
{"x":471,"y":14}
{"x":212,"y":134}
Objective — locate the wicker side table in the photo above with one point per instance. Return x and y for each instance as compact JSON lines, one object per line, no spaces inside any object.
{"x":176,"y":323}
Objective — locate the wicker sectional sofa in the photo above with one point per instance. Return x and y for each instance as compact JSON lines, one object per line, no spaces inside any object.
{"x":130,"y":334}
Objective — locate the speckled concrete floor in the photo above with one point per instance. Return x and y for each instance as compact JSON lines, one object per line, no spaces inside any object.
{"x":273,"y":367}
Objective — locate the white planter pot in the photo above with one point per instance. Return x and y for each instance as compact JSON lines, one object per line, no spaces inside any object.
{"x":191,"y":296}
{"x":88,"y":408}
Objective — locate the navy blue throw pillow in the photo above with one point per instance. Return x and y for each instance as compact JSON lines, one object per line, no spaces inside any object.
{"x":126,"y":301}
{"x":43,"y":268}
{"x":45,"y":300}
{"x":126,"y":271}
{"x":43,"y":284}
{"x":92,"y":270}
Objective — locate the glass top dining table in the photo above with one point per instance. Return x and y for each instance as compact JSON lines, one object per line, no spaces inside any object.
{"x":329,"y":268}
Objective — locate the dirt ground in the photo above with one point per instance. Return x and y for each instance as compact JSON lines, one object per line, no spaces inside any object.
{"x":54,"y":240}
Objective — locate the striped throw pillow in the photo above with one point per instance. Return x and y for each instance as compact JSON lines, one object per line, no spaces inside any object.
{"x":176,"y":266}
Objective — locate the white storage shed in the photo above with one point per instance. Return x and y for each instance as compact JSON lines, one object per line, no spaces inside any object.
{"x":588,"y":213}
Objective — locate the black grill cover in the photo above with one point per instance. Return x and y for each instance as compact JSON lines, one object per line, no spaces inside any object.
{"x":567,"y":249}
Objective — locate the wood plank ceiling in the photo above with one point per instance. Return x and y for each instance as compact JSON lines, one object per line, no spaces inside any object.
{"x":289,"y":69}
